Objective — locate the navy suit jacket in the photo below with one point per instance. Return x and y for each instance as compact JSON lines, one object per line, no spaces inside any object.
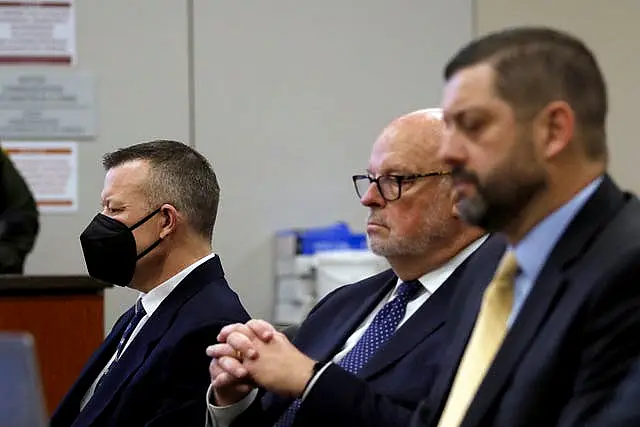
{"x":577,"y":335}
{"x":404,"y":368}
{"x":161,"y":378}
{"x":624,"y":409}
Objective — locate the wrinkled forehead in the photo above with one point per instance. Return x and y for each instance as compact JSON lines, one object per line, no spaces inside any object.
{"x":409,"y":144}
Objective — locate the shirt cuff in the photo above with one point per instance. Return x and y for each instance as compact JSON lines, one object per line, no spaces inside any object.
{"x":223,"y":416}
{"x":313,"y":380}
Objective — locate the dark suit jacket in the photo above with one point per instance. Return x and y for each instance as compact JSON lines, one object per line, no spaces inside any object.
{"x":161,"y":378}
{"x":624,"y":409}
{"x":577,"y":334}
{"x":404,"y":368}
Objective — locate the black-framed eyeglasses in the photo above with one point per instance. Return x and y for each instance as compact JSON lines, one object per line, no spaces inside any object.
{"x":389,"y":186}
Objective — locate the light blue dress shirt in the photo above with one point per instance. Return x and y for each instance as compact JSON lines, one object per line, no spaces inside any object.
{"x":536,"y":246}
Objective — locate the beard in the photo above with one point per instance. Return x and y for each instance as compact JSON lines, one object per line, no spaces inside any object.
{"x":502,"y":196}
{"x":431,"y":226}
{"x":395,"y":247}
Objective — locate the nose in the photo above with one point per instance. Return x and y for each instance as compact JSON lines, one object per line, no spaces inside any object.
{"x":372,"y":197}
{"x":452,"y":149}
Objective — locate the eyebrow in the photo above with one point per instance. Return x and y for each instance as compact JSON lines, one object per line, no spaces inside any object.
{"x":473,"y":109}
{"x":111,"y":201}
{"x":394,"y":168}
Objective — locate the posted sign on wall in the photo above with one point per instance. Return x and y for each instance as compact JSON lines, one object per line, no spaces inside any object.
{"x":47,"y":104}
{"x":37,"y":32}
{"x":51,"y":170}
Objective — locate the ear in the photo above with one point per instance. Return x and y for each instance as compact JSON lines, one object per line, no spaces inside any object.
{"x":555,"y":128}
{"x":169,"y":217}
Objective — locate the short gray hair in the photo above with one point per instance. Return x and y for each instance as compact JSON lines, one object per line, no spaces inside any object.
{"x":179,"y":175}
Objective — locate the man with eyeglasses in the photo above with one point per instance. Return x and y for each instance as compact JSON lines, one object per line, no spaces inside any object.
{"x":386,"y":330}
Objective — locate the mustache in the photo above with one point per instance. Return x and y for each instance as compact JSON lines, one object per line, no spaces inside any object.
{"x":459,"y":174}
{"x":376,"y":219}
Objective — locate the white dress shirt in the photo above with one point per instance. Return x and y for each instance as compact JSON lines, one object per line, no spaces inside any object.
{"x":150,"y":301}
{"x":223,"y":416}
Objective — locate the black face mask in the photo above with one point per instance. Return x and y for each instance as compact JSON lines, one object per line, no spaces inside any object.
{"x":110,"y":249}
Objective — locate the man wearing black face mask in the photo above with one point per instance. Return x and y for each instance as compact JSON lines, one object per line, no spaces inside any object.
{"x":108,"y":238}
{"x":154,"y":235}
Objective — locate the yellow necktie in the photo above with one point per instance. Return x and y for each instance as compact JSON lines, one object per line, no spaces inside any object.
{"x":486,"y":338}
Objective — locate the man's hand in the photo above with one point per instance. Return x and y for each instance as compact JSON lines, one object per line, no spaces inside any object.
{"x":253,"y":328}
{"x":230,"y":380}
{"x":270,"y":359}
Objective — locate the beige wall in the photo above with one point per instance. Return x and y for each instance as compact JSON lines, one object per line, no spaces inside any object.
{"x":611,"y":29}
{"x":284,"y":97}
{"x":288,"y":97}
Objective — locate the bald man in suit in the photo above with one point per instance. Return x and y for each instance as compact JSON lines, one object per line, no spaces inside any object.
{"x":411,"y":223}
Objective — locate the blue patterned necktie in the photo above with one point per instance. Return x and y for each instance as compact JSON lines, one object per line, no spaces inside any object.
{"x":382,"y":327}
{"x":139,"y":313}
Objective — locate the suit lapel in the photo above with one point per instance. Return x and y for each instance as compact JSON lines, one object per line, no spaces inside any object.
{"x":547,"y":289}
{"x":146,"y":340}
{"x":99,"y":359}
{"x":323,"y":348}
{"x":70,"y":407}
{"x":326,"y":349}
{"x":478,"y":274}
{"x":425,"y":321}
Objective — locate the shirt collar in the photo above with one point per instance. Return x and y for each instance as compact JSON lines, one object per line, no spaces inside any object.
{"x":435,"y":278}
{"x":152,"y":299}
{"x":534,"y":249}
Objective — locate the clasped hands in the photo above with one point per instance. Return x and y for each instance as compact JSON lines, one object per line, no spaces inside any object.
{"x":255,"y":354}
